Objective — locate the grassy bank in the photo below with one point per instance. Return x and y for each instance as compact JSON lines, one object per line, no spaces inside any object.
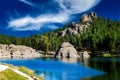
{"x":10,"y":75}
{"x":18,"y":73}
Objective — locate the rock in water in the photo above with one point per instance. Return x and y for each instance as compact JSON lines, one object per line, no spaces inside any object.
{"x":85,"y":54}
{"x":66,"y":50}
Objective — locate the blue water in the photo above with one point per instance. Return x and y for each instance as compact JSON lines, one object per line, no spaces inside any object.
{"x":54,"y":69}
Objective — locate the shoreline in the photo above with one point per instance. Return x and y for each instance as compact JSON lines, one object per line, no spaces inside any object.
{"x":17,"y":51}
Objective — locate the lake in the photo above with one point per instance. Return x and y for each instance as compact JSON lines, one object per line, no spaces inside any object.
{"x":72,"y":69}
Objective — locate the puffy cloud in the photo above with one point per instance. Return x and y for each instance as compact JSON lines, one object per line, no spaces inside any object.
{"x":67,"y":8}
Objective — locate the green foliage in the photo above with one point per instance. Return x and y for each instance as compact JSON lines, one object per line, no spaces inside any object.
{"x":10,"y":75}
{"x":102,"y":35}
{"x":106,"y":55}
{"x":26,"y":70}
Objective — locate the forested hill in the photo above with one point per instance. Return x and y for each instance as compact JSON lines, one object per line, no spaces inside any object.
{"x":99,"y":35}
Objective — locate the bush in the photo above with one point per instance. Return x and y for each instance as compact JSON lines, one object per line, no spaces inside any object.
{"x":106,"y":55}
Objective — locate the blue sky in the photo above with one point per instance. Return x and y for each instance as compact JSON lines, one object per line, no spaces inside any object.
{"x":28,"y":17}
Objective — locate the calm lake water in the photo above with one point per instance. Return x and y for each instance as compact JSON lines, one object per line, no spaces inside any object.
{"x":72,"y":69}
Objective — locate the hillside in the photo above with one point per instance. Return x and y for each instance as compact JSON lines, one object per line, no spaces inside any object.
{"x":90,"y":33}
{"x":82,"y":26}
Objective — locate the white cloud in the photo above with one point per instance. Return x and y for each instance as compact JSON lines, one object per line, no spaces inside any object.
{"x":77,"y":6}
{"x":68,"y":7}
{"x":30,"y":23}
{"x":28,"y":2}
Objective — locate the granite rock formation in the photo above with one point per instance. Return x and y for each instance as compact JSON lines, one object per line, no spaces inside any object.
{"x":66,"y":50}
{"x":17,"y":51}
{"x":76,"y":28}
{"x":87,"y":18}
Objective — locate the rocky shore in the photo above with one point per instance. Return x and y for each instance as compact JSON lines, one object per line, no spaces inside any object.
{"x":17,"y":51}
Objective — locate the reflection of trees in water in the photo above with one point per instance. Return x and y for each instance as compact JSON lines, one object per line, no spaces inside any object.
{"x":109,"y":65}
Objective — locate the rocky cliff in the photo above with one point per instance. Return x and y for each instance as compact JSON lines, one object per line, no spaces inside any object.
{"x":17,"y":51}
{"x":75,"y":29}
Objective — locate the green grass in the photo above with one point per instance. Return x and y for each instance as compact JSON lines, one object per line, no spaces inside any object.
{"x":22,"y":69}
{"x":25,"y":70}
{"x":10,"y":75}
{"x":41,"y":78}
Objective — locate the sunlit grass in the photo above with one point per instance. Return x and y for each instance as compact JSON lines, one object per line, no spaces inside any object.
{"x":10,"y":75}
{"x":25,"y":70}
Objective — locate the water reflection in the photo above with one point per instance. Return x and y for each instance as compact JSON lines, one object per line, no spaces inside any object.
{"x":53,"y":69}
{"x":84,"y":61}
{"x":69,"y":60}
{"x":109,"y":65}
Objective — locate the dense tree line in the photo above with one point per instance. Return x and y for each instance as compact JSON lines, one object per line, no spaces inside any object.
{"x":102,"y":35}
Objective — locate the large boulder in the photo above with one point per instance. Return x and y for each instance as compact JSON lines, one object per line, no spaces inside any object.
{"x":17,"y":51}
{"x":85,"y":54}
{"x":66,"y":50}
{"x":23,"y":51}
{"x":4,"y":51}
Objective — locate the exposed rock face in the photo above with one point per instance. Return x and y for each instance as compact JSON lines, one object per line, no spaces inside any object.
{"x":75,"y":28}
{"x":85,"y":54}
{"x":93,"y":15}
{"x":88,"y":17}
{"x":17,"y":51}
{"x":66,"y":50}
{"x":4,"y":51}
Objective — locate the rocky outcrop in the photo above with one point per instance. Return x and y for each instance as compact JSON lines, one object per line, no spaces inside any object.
{"x":66,"y":50}
{"x":75,"y":28}
{"x":4,"y":51}
{"x":84,"y":54}
{"x":17,"y":51}
{"x":88,"y":17}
